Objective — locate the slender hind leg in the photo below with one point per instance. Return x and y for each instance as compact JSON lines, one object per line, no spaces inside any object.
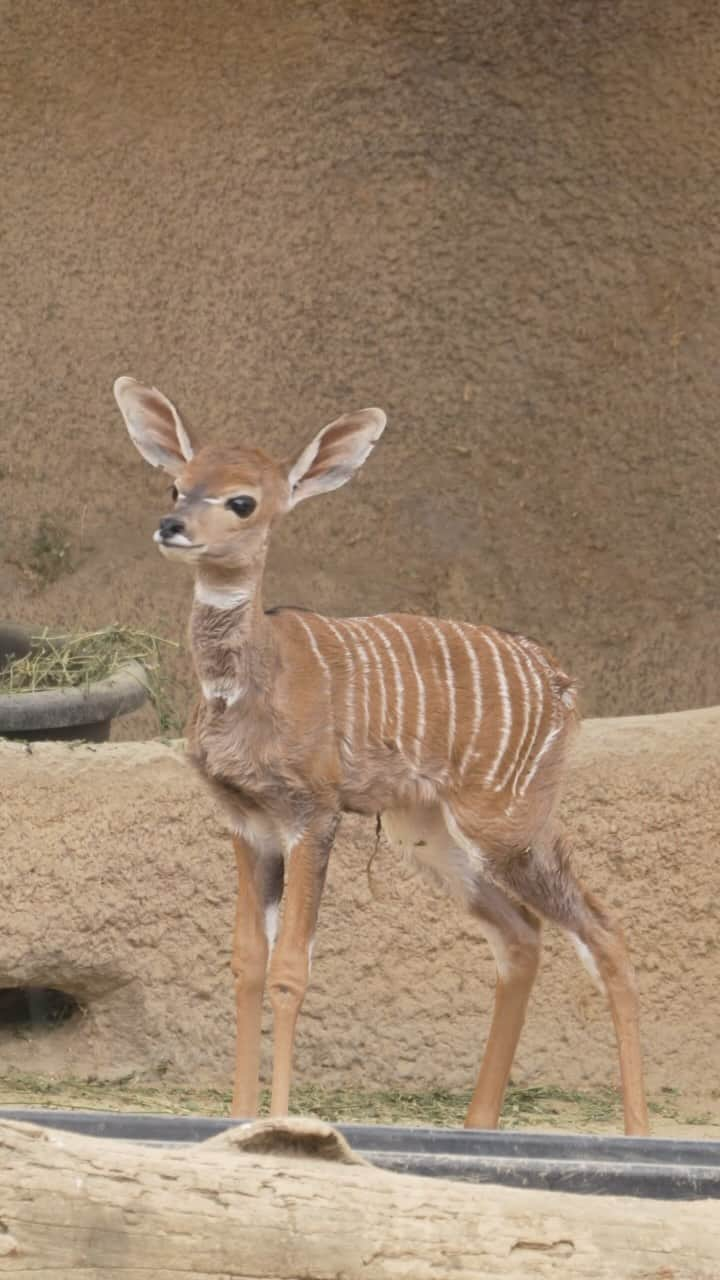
{"x":434,"y":841}
{"x":541,"y":878}
{"x":514,"y":936}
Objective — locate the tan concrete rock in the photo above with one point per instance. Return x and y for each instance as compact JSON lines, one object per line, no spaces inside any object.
{"x":117,"y":885}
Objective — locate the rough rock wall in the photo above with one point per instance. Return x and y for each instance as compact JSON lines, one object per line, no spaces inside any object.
{"x":118,"y":884}
{"x":497,"y":220}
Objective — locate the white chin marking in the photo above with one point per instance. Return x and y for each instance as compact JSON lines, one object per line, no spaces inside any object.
{"x":189,"y":554}
{"x":177,"y":540}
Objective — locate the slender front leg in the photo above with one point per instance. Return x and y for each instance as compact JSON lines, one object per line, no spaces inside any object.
{"x":543,"y":879}
{"x":606,"y":943}
{"x":290,"y":964}
{"x":260,"y":885}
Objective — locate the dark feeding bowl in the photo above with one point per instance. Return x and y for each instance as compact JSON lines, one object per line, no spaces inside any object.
{"x":82,"y":712}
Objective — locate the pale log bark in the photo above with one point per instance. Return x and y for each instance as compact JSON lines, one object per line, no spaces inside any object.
{"x":74,"y":1208}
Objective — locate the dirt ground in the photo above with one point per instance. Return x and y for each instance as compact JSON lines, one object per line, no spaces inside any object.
{"x":544,"y":1107}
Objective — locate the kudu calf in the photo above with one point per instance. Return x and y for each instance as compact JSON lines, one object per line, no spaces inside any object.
{"x":455,"y":734}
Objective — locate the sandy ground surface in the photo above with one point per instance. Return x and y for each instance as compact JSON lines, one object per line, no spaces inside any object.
{"x":544,"y":1108}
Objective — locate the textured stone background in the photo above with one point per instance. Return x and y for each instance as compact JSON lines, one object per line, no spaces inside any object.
{"x":121,"y":881}
{"x":498,"y":220}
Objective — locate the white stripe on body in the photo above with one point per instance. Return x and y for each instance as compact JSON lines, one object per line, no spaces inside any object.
{"x":363,"y":662}
{"x":421,"y":695}
{"x":550,"y":738}
{"x":449,"y":683}
{"x":322,"y":660}
{"x":505,"y":706}
{"x":372,"y":623}
{"x":350,"y":685}
{"x":477,"y":696}
{"x":515,"y":653}
{"x":537,"y":682}
{"x":369,"y":642}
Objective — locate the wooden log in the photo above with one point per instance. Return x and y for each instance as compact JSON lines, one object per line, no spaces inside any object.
{"x":261,"y":1202}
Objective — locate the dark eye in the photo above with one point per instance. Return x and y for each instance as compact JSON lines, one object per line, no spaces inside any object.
{"x":174,"y":493}
{"x":242,"y":506}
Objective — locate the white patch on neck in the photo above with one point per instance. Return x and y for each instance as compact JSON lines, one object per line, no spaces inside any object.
{"x":215,"y":598}
{"x":226,"y":690}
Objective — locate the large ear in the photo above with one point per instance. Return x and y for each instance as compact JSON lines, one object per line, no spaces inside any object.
{"x":335,"y":454}
{"x":154,"y":424}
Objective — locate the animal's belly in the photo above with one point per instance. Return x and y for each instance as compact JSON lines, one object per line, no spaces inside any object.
{"x":421,"y":834}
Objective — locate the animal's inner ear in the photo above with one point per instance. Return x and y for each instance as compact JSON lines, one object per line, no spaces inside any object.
{"x":335,"y":454}
{"x":154,"y":425}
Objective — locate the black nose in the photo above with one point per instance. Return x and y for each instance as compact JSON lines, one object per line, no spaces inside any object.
{"x":170,"y":525}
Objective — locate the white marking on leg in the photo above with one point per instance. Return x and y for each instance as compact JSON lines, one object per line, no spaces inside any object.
{"x":272,"y":912}
{"x":421,"y":697}
{"x":257,"y":830}
{"x":477,"y":696}
{"x":588,"y":960}
{"x":449,"y":682}
{"x":500,"y":949}
{"x":291,"y":843}
{"x":505,"y":708}
{"x":514,"y":651}
{"x":399,"y":687}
